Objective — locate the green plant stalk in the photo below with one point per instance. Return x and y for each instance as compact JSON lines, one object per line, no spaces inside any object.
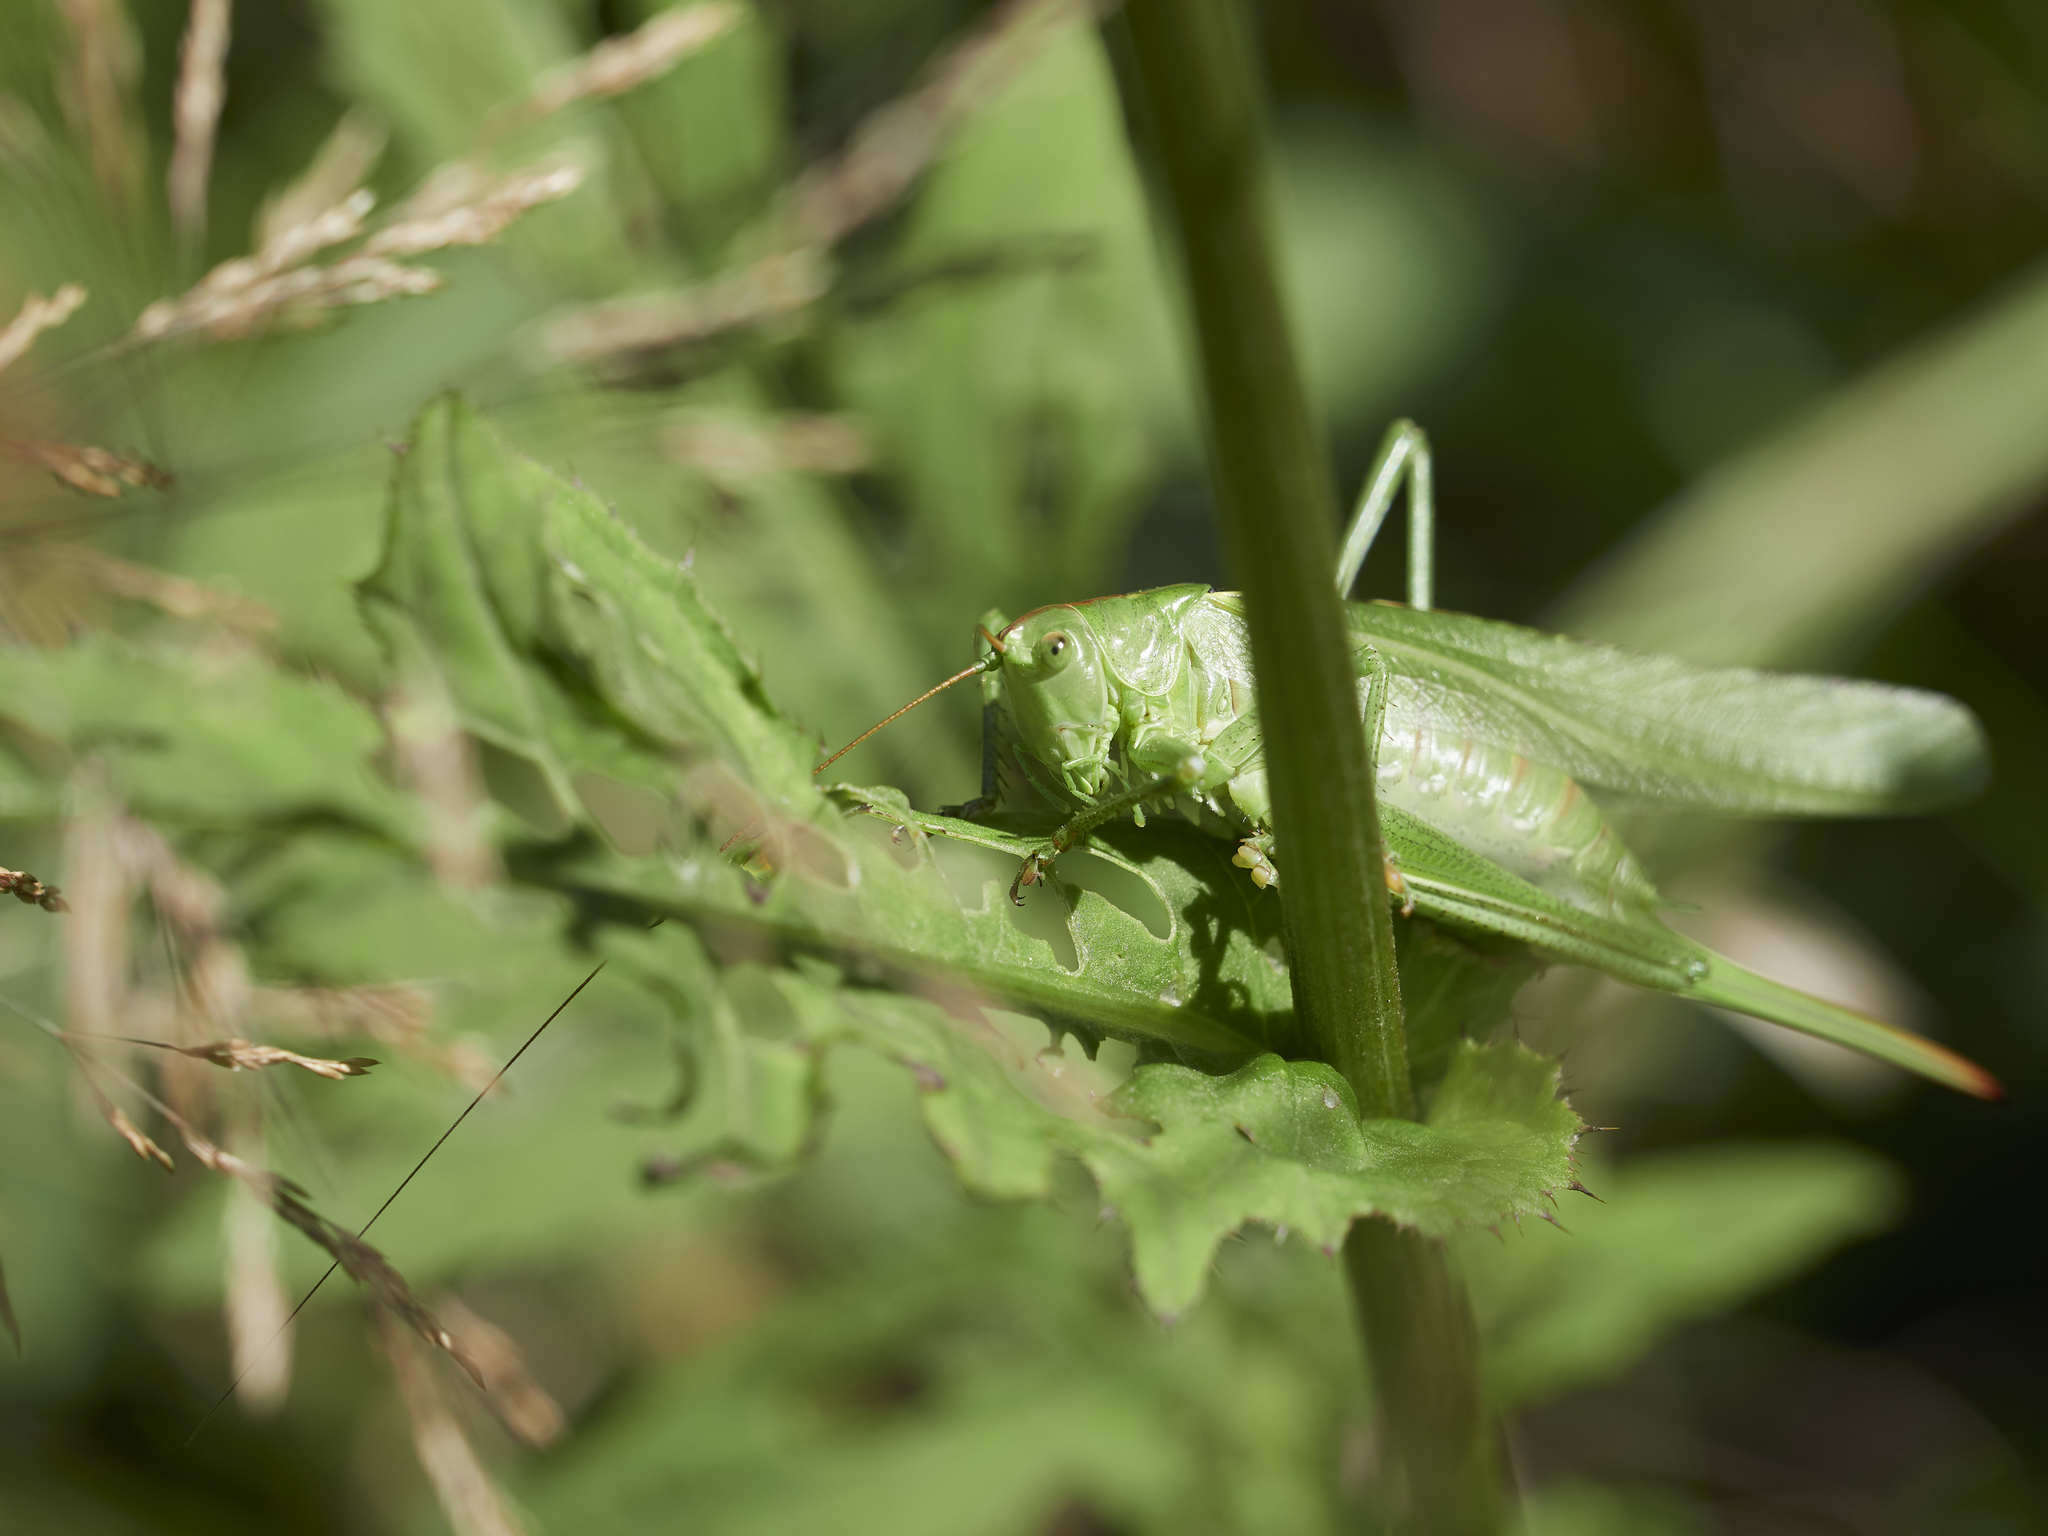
{"x":1191,"y":60}
{"x":1279,"y":519}
{"x":1436,"y":1444}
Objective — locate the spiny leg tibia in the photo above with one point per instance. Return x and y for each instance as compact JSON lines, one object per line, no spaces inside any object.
{"x":1160,"y":787}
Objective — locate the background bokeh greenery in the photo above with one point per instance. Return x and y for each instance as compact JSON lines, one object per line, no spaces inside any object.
{"x":1727,"y":325}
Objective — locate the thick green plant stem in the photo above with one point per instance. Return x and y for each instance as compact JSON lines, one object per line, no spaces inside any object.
{"x":1279,"y":519}
{"x":1436,"y":1443}
{"x":1192,"y":62}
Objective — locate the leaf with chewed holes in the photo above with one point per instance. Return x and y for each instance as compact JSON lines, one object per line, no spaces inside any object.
{"x":564,"y":641}
{"x":1279,"y":1142}
{"x":1183,"y":1157}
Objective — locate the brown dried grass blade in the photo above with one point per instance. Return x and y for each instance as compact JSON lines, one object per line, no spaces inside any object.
{"x":731,"y":448}
{"x":364,"y":1264}
{"x":296,"y":295}
{"x":522,"y":1405}
{"x":37,"y":315}
{"x":97,"y":92}
{"x":396,"y":1015}
{"x":100,"y":879}
{"x":25,"y":887}
{"x":195,"y":113}
{"x":459,"y":207}
{"x":177,"y":596}
{"x":436,"y":761}
{"x":255,"y":1305}
{"x":887,"y":154}
{"x":334,"y":175}
{"x":357,"y":1259}
{"x":239,"y":1055}
{"x":130,"y":1132}
{"x":276,"y":285}
{"x":463,"y":1488}
{"x":453,"y":1126}
{"x":84,"y":467}
{"x":896,"y":144}
{"x":771,"y":289}
{"x":291,"y":245}
{"x":619,"y":64}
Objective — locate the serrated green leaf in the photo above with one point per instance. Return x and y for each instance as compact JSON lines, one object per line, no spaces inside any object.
{"x":654,"y":651}
{"x":1183,"y":1158}
{"x":1278,"y":1142}
{"x":575,"y":646}
{"x":562,"y":639}
{"x":1206,"y":987}
{"x":460,"y":596}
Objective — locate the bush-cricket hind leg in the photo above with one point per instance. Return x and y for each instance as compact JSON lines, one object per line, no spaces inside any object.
{"x":1404,"y":454}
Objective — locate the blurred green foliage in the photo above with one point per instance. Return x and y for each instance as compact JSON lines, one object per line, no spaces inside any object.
{"x":1600,"y":252}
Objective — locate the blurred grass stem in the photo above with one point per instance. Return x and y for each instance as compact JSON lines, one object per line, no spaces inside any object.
{"x":1192,"y":64}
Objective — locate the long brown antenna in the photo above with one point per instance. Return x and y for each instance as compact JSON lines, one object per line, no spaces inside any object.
{"x":961,"y":676}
